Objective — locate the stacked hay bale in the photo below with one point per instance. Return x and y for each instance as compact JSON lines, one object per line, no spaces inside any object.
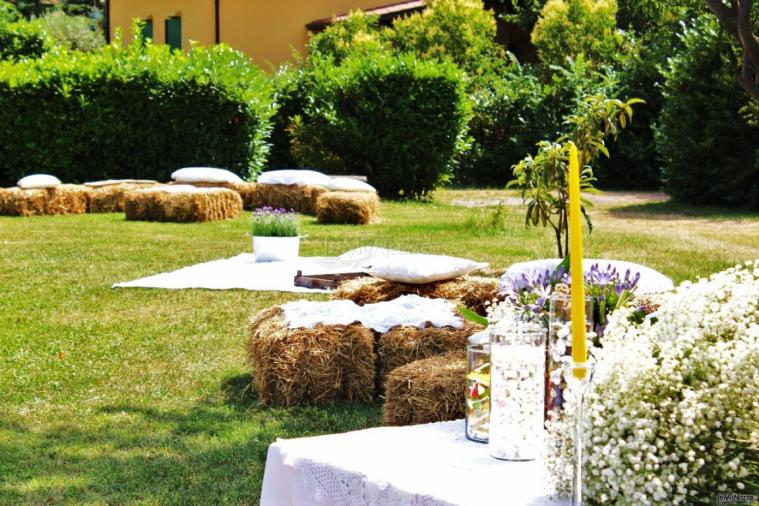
{"x":474,"y":292}
{"x":108,"y":196}
{"x":299,"y":198}
{"x":247,"y":192}
{"x":182,"y":203}
{"x":426,"y":391}
{"x":61,"y":199}
{"x":347,"y":207}
{"x":323,"y":364}
{"x":403,"y":345}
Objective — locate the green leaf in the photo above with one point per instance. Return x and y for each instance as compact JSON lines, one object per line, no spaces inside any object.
{"x":473,"y":317}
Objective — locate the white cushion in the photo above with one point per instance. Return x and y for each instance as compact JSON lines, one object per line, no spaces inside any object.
{"x":419,"y":268}
{"x":38,"y":181}
{"x":181,"y":188}
{"x":347,"y":184}
{"x":651,"y":281}
{"x":112,"y":182}
{"x":191,"y":175}
{"x":297,"y":177}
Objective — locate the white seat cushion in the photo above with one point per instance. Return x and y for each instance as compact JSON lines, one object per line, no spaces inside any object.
{"x":420,"y":268}
{"x":347,"y":184}
{"x":296,"y":177}
{"x":38,"y":181}
{"x":191,"y":175}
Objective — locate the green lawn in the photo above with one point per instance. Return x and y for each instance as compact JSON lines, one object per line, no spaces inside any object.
{"x":141,"y":396}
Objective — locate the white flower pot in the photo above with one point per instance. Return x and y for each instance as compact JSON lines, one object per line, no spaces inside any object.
{"x":276,"y":249}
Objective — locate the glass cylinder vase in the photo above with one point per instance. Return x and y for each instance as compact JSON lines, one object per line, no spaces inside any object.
{"x":478,"y":389}
{"x":559,"y":347}
{"x":517,"y":373}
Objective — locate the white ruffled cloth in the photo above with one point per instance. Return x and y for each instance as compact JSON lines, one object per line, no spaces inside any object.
{"x":651,"y":281}
{"x":381,"y":316}
{"x":431,"y":465}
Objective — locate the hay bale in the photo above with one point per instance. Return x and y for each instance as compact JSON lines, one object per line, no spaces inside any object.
{"x":474,"y":292}
{"x":352,"y":208}
{"x":425,"y":391}
{"x":182,"y":204}
{"x":247,"y":191}
{"x":404,"y":344}
{"x":301,"y":199}
{"x":109,"y":198}
{"x":63,"y":199}
{"x":319,"y":365}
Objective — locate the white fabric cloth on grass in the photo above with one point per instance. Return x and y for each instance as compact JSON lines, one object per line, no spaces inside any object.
{"x":244,"y":273}
{"x":432,"y":465}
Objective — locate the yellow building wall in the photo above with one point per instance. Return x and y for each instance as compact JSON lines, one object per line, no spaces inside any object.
{"x":197,"y":18}
{"x":266,"y":30}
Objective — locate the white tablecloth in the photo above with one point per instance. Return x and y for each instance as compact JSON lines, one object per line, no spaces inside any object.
{"x":431,"y":464}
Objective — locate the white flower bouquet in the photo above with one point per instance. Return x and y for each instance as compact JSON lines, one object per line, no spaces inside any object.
{"x":673,"y":412}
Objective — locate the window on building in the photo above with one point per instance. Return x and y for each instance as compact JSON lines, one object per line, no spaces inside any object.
{"x":147,"y":29}
{"x":174,"y":32}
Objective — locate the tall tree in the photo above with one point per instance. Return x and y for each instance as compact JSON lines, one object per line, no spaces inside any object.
{"x":737,"y":18}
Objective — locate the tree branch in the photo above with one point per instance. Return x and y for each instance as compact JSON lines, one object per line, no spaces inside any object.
{"x":725,"y":15}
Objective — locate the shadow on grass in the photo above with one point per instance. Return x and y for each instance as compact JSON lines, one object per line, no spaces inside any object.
{"x":671,"y":210}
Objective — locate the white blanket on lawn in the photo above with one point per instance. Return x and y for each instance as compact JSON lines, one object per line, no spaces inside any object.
{"x":244,"y":273}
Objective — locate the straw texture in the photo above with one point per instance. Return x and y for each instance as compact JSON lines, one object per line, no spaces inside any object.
{"x":157,"y":205}
{"x":301,"y":199}
{"x":351,"y":208}
{"x":426,"y":391}
{"x":63,"y":199}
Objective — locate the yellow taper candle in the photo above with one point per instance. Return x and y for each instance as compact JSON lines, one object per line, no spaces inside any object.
{"x":579,"y":346}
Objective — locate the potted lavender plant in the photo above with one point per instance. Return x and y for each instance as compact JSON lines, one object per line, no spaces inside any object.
{"x":276,"y":235}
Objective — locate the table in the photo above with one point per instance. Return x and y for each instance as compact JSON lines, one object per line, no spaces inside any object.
{"x":431,"y":464}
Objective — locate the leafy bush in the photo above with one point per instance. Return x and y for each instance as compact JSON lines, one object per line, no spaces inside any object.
{"x":398,"y":120}
{"x":290,"y":96}
{"x":707,"y":146}
{"x":139,"y":112}
{"x":359,"y":33}
{"x":507,"y":122}
{"x":73,"y":32}
{"x":568,"y":28}
{"x":22,"y":39}
{"x":8,"y":12}
{"x":459,"y":30}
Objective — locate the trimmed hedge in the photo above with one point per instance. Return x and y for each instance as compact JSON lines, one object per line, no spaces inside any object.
{"x":22,"y":40}
{"x":398,"y":120}
{"x":140,"y":112}
{"x":709,"y":148}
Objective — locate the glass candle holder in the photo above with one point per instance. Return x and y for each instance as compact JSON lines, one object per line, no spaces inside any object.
{"x":559,"y":346}
{"x":517,"y":388}
{"x":478,"y":391}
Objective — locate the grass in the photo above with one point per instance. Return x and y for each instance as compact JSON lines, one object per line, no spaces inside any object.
{"x":141,"y":396}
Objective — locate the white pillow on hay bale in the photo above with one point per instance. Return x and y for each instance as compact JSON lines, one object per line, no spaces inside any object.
{"x":299,"y":177}
{"x":313,"y":352}
{"x":35,"y":181}
{"x":417,"y":268}
{"x":347,"y":208}
{"x":349,"y":184}
{"x":60,"y":199}
{"x":190,"y":175}
{"x":107,"y":196}
{"x":182,"y":203}
{"x":651,"y":281}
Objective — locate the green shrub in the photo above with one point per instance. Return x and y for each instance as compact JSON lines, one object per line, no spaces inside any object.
{"x":459,"y":30}
{"x":139,"y":112}
{"x":707,"y":146}
{"x":396,"y":119}
{"x":22,"y":39}
{"x":290,"y":96}
{"x":359,"y":33}
{"x":74,"y":32}
{"x":507,"y":121}
{"x":8,"y":12}
{"x":568,"y":28}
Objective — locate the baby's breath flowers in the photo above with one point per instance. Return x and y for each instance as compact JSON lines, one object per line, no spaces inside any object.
{"x":673,"y":410}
